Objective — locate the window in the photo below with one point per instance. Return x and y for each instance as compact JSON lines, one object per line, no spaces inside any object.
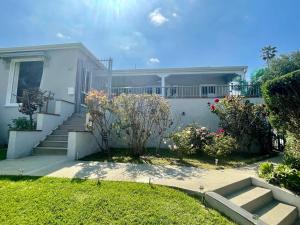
{"x":24,"y":75}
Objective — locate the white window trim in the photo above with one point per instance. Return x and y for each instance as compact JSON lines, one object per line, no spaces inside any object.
{"x":11,"y":77}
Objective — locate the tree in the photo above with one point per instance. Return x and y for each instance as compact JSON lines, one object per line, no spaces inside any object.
{"x":256,"y":76}
{"x":30,"y":101}
{"x":268,"y":53}
{"x":282,"y":65}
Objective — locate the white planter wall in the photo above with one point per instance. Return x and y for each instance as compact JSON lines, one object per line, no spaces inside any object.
{"x":21,"y":143}
{"x":81,"y":144}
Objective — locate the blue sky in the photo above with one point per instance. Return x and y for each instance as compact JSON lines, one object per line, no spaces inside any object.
{"x":152,"y":33}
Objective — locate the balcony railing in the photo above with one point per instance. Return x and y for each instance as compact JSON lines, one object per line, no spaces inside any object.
{"x":199,"y":91}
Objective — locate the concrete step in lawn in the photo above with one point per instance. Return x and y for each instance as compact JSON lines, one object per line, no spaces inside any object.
{"x":253,"y":201}
{"x":277,"y":213}
{"x":251,"y":198}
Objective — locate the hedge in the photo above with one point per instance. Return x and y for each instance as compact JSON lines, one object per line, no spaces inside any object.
{"x":282,"y":97}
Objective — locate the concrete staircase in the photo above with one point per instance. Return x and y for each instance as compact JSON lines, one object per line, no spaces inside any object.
{"x":252,"y":201}
{"x":57,"y":142}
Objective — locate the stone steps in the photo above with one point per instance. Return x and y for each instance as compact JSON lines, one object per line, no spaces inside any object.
{"x":49,"y":151}
{"x":57,"y":142}
{"x":251,"y":198}
{"x":277,"y":213}
{"x":252,"y":201}
{"x":54,"y":137}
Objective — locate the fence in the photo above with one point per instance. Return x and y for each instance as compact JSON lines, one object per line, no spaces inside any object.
{"x":199,"y":91}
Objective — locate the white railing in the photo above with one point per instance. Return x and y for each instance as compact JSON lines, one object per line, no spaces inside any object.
{"x":199,"y":91}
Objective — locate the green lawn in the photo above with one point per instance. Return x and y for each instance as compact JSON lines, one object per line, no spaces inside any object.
{"x":168,"y":157}
{"x":2,"y":153}
{"x":33,"y":200}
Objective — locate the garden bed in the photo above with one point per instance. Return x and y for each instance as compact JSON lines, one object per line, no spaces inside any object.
{"x":34,"y":200}
{"x":168,"y":157}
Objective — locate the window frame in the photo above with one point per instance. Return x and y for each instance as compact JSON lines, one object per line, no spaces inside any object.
{"x":12,"y":77}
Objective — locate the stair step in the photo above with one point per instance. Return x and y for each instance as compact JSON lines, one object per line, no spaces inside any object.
{"x":72,"y":127}
{"x":46,"y":143}
{"x":60,"y":132}
{"x":251,"y":198}
{"x":57,"y":138}
{"x":277,"y":213}
{"x":49,"y":151}
{"x":234,"y":187}
{"x":75,"y":123}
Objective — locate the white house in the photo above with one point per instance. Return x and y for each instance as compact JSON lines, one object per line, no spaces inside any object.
{"x":71,"y":70}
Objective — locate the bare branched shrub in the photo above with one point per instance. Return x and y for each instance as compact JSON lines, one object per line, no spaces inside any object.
{"x":140,"y":117}
{"x":100,"y":117}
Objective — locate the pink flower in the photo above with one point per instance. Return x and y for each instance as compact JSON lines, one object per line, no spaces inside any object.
{"x":212,"y":107}
{"x":217,"y":100}
{"x":221,"y":130}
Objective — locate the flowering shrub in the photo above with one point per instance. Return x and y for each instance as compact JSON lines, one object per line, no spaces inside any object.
{"x":189,"y":140}
{"x":221,"y":145}
{"x":244,"y":121}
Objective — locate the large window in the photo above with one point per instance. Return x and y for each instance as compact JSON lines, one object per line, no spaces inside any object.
{"x":25,"y":75}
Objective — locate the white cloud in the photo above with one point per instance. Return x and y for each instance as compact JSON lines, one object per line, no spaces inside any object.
{"x":174,"y":14}
{"x":156,"y":18}
{"x":153,"y":61}
{"x":62,"y":36}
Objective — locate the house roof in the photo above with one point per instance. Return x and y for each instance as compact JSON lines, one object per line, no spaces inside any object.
{"x":239,"y":70}
{"x":21,"y":51}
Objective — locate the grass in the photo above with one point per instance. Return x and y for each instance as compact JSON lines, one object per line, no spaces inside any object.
{"x":168,"y":157}
{"x":2,"y":153}
{"x":34,"y":200}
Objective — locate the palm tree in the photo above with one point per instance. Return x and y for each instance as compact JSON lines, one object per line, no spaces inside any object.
{"x":268,"y":53}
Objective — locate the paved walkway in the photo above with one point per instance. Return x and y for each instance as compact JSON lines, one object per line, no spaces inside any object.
{"x":189,"y":178}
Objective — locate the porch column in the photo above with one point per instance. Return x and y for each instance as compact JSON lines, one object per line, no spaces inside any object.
{"x":163,"y":83}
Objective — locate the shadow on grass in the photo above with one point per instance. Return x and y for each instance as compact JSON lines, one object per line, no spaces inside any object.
{"x":168,"y":157}
{"x":17,"y":178}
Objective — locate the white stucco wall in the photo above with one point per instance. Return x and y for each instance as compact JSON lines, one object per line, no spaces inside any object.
{"x":81,"y":144}
{"x":195,"y":110}
{"x":21,"y":143}
{"x":59,"y":73}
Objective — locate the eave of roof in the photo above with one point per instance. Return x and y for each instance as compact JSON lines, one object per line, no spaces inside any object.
{"x":79,"y":46}
{"x":188,"y":70}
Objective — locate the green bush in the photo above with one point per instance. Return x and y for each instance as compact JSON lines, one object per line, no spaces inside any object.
{"x":282,"y":98}
{"x":281,"y":174}
{"x":292,"y":152}
{"x":221,"y":145}
{"x":265,"y":169}
{"x":244,"y":121}
{"x":22,"y":123}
